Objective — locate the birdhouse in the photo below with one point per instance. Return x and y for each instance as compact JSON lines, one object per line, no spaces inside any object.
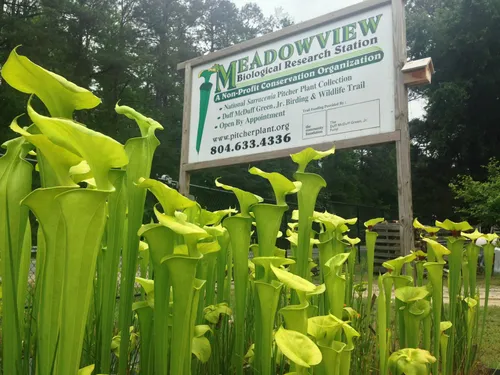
{"x":418,"y":72}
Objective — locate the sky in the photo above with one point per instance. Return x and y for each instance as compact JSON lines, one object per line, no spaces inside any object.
{"x":303,"y":10}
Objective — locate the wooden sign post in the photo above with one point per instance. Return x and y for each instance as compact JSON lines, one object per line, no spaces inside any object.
{"x":339,"y":79}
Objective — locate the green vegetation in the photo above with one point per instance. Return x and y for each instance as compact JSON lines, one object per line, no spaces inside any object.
{"x":128,"y":50}
{"x":189,"y":318}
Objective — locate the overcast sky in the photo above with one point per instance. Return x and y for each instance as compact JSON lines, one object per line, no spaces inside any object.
{"x":303,"y":10}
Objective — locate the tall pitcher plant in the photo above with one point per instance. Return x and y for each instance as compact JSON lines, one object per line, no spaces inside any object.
{"x":72,"y":218}
{"x":90,"y":209}
{"x":312,"y":183}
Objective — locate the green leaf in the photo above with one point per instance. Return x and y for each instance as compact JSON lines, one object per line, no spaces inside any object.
{"x":411,"y":293}
{"x":372,"y":222}
{"x":304,"y":157}
{"x":454,"y":227}
{"x":439,"y":250}
{"x":147,"y":285}
{"x":245,"y":199}
{"x":149,"y":288}
{"x":410,"y":361}
{"x":170,"y":199}
{"x":266,"y":262}
{"x":208,"y":247}
{"x":420,"y":308}
{"x":293,"y":238}
{"x":318,"y":290}
{"x":180,"y":226}
{"x":443,"y":326}
{"x":431,"y":230}
{"x":201,"y":349}
{"x":491,"y":237}
{"x":323,"y":328}
{"x":60,"y":96}
{"x":212,"y":313}
{"x":215,"y":231}
{"x":86,"y":370}
{"x":101,"y":152}
{"x":335,"y":263}
{"x":146,"y":125}
{"x":200,"y":344}
{"x":472,"y":236}
{"x":64,"y":163}
{"x":396,"y":265}
{"x":293,"y":281}
{"x":299,"y":348}
{"x":281,"y":185}
{"x":333,"y":222}
{"x":351,"y":241}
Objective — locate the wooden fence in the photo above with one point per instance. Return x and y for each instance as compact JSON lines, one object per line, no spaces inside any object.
{"x":388,"y":245}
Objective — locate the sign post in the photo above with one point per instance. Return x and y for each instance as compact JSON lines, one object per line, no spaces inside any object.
{"x":405,"y":204}
{"x":336,"y":79}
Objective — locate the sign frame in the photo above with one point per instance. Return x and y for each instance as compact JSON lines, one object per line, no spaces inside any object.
{"x":400,"y":136}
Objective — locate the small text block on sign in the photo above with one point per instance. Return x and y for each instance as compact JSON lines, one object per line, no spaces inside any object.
{"x":353,"y":117}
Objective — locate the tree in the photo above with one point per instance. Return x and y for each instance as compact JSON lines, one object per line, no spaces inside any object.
{"x":460,"y":130}
{"x":479,"y":201}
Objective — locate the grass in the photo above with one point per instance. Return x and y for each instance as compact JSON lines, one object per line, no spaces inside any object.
{"x":489,"y":353}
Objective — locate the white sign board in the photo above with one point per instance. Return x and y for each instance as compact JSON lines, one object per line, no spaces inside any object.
{"x":331,"y":82}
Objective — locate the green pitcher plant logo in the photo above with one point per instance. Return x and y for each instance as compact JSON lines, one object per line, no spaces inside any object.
{"x":205,"y":90}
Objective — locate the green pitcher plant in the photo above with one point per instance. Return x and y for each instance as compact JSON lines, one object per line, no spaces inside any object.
{"x":175,"y":289}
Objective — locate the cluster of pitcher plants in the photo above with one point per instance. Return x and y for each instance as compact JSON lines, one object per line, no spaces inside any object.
{"x":204,"y":306}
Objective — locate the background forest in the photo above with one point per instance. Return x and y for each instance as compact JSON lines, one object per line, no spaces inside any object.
{"x":128,"y":50}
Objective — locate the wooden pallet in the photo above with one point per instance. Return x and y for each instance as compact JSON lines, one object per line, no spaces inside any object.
{"x":388,"y":245}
